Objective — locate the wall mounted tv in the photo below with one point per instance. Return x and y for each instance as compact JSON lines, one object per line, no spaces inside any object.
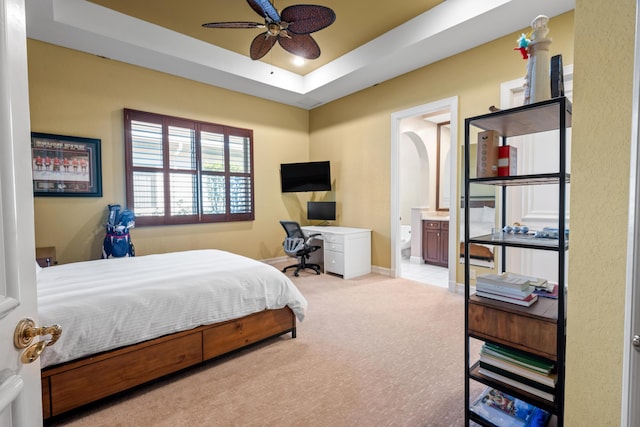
{"x":309,"y":176}
{"x":324,"y":211}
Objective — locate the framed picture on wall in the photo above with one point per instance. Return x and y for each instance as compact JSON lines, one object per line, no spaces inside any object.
{"x":67,"y":166}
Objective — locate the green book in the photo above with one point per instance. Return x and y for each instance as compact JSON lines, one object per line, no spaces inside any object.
{"x":517,"y":357}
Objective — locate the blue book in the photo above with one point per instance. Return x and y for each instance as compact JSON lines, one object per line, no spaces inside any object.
{"x":504,"y":410}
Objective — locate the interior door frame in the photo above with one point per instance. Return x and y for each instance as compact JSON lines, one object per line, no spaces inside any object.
{"x":450,"y":104}
{"x":630,"y":413}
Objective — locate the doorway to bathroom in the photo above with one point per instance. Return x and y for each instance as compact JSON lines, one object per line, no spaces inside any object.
{"x":423,"y":186}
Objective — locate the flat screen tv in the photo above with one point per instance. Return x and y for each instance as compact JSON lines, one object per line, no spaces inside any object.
{"x":324,"y":211}
{"x":309,"y":176}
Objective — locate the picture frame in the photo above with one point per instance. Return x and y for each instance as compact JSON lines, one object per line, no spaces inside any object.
{"x":66,"y":166}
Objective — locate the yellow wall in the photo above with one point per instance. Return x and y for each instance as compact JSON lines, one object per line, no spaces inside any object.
{"x":354,"y":132}
{"x":604,"y":33}
{"x":73,"y":93}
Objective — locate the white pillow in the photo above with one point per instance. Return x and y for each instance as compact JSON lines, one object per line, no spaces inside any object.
{"x":488,"y":214}
{"x":476,"y":215}
{"x":38,"y":268}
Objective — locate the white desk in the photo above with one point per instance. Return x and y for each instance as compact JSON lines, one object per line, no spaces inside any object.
{"x":345,"y":250}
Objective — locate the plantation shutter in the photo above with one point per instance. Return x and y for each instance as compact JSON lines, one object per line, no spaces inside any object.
{"x":183,"y":171}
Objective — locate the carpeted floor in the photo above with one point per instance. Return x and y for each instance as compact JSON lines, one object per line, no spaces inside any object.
{"x":373,"y":351}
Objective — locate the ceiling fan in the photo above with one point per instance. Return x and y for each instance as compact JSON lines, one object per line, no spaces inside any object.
{"x":291,"y":28}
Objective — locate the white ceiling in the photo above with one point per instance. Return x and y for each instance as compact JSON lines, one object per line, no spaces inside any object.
{"x":447,"y":29}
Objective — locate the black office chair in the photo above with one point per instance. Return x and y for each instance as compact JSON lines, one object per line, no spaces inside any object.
{"x":297,"y":245}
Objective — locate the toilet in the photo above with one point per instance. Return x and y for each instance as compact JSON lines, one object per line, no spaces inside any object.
{"x":405,"y":241}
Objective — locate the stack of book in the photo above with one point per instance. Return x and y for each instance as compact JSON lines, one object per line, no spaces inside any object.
{"x":509,"y":287}
{"x":550,"y":291}
{"x":518,"y":369}
{"x":501,"y":409}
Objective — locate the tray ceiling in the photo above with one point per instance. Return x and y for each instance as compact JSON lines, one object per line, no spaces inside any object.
{"x":370,"y":42}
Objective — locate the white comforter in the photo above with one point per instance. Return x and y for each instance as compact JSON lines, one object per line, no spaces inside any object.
{"x":105,"y":304}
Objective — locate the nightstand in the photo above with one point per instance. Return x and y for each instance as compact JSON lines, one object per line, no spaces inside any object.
{"x":46,"y":256}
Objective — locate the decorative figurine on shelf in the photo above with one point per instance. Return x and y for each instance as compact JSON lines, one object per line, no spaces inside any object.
{"x":537,"y":84}
{"x":517,"y":228}
{"x":523,"y":44}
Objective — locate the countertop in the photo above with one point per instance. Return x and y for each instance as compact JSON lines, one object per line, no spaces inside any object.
{"x":433,"y":216}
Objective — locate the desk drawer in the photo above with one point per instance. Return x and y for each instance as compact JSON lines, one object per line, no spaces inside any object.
{"x":333,"y":238}
{"x":334,"y":247}
{"x":334,"y":262}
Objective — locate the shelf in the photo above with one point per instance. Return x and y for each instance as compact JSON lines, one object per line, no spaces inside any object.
{"x":532,"y":329}
{"x":474,"y":373}
{"x":520,"y":241}
{"x":538,"y":179}
{"x":545,"y":309}
{"x":553,"y":421}
{"x":533,"y":118}
{"x":540,"y":329}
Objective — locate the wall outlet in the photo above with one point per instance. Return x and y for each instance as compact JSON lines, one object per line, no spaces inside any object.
{"x":472,"y":273}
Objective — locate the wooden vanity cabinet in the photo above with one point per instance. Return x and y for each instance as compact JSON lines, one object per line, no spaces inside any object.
{"x":435,"y":242}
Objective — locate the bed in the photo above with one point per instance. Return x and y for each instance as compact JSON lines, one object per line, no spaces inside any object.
{"x":482,"y":218}
{"x":127,"y":321}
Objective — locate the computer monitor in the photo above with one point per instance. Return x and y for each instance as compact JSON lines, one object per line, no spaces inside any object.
{"x":323,"y":211}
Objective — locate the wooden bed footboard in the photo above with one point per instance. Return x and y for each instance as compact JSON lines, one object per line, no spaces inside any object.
{"x":73,"y":384}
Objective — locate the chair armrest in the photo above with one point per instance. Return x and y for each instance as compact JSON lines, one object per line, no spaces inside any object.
{"x":310,"y":237}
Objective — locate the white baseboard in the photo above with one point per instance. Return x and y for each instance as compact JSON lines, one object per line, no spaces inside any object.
{"x":273,"y":261}
{"x":381,"y":270}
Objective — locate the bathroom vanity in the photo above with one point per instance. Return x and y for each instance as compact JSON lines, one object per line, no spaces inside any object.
{"x":435,"y":241}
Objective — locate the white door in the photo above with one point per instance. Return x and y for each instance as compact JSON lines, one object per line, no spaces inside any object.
{"x":20,"y":399}
{"x":630,"y":415}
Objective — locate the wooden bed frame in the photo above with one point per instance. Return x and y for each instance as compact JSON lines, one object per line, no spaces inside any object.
{"x":73,"y":384}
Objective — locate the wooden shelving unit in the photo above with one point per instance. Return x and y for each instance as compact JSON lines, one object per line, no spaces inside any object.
{"x":540,"y":329}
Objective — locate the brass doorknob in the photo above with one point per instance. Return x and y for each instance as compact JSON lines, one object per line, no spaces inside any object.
{"x":34,"y":351}
{"x":24,"y":334}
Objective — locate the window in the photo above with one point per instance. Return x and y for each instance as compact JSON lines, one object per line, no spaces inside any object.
{"x":181,"y":171}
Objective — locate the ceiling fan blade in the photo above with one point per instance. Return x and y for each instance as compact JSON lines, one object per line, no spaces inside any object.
{"x":302,"y":45}
{"x":265,"y":9}
{"x":307,"y":18}
{"x":261,"y":45}
{"x":239,"y":24}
